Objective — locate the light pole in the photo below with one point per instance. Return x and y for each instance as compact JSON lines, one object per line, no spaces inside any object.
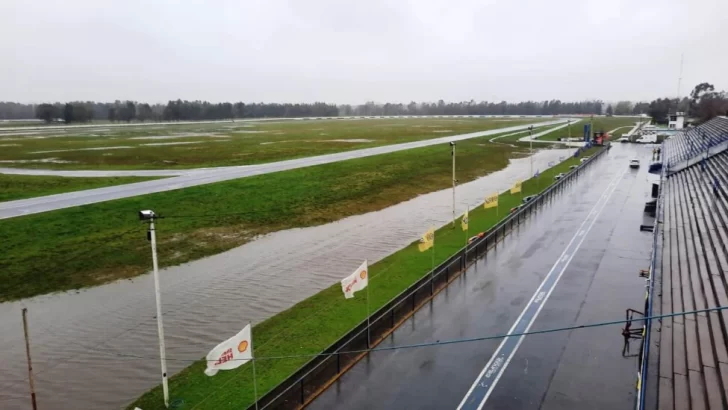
{"x":149,"y":215}
{"x":454,"y":181}
{"x":530,"y":141}
{"x":568,"y":127}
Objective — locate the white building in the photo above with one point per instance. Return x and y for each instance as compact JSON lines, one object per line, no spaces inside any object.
{"x":677,"y":121}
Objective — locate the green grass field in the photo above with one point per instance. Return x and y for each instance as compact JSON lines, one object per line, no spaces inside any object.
{"x":14,"y":187}
{"x":98,"y":243}
{"x":224,"y":144}
{"x":22,"y":123}
{"x":312,"y":325}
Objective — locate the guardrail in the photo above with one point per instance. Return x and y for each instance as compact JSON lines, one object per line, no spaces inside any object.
{"x":641,"y":400}
{"x":315,"y":376}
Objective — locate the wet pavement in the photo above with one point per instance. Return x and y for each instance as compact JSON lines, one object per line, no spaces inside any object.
{"x":202,"y":176}
{"x":79,"y":339}
{"x":579,"y":369}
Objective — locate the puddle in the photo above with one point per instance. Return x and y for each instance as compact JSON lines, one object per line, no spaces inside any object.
{"x":155,"y":144}
{"x":179,"y":135}
{"x":36,"y":161}
{"x":17,"y":133}
{"x":82,"y":149}
{"x":350,"y":140}
{"x":78,"y":339}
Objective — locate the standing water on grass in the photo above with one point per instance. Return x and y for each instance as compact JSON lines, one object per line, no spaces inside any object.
{"x":97,"y":348}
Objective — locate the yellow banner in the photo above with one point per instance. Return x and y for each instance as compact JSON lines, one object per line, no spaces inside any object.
{"x":491,"y":201}
{"x":427,"y":240}
{"x":464,"y":221}
{"x":516,"y":188}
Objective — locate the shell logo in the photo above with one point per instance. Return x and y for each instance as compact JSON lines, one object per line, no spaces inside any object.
{"x":363,"y":274}
{"x":243,"y":346}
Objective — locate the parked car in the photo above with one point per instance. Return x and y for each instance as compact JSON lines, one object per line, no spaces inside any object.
{"x":634,"y":163}
{"x":528,"y":198}
{"x":584,"y":159}
{"x":647,"y":139}
{"x":574,"y":167}
{"x":623,"y":139}
{"x":559,"y":176}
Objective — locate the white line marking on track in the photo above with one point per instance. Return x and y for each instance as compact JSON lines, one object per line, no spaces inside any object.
{"x":483,"y":385}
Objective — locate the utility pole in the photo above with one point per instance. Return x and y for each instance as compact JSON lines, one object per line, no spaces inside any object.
{"x":568,"y":126}
{"x":530,"y":141}
{"x":679,"y":79}
{"x":454,"y":181}
{"x":591,"y":129}
{"x":150,"y":216}
{"x":30,"y":365}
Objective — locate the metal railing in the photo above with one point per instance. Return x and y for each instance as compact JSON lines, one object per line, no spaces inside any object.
{"x":643,"y":362}
{"x":316,"y":375}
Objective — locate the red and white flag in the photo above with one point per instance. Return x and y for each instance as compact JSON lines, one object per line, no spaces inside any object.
{"x":231,"y":353}
{"x":356,"y":281}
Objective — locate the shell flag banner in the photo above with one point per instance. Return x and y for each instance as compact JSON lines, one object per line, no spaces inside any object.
{"x":427,"y":240}
{"x":464,"y":221}
{"x":491,"y":201}
{"x":516,"y":188}
{"x":356,"y":281}
{"x":231,"y":353}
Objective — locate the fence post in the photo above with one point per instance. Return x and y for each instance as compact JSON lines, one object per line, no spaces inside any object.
{"x":303,"y":400}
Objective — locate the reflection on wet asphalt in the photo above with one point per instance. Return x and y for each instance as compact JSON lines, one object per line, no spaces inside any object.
{"x":578,"y":369}
{"x":77,"y":338}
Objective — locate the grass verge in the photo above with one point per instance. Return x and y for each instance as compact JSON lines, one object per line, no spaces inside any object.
{"x":93,"y":244}
{"x":14,"y":187}
{"x":313,"y":324}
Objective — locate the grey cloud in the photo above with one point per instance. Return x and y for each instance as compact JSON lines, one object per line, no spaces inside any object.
{"x":350,"y":52}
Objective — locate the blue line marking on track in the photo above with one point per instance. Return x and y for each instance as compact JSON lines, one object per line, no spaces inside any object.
{"x":493,"y":370}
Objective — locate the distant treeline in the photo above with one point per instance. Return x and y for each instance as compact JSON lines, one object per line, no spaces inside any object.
{"x":704,"y":103}
{"x":182,"y":110}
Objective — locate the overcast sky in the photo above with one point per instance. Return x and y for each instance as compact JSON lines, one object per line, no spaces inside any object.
{"x":350,"y":52}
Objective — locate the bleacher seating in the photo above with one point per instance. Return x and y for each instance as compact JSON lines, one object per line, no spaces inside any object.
{"x":695,"y":141}
{"x":693,"y":349}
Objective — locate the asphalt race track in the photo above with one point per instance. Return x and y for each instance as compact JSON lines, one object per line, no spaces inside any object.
{"x":576,"y":261}
{"x":189,"y":178}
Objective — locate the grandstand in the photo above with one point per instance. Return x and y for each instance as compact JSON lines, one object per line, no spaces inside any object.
{"x":711,"y":137}
{"x":687,"y":355}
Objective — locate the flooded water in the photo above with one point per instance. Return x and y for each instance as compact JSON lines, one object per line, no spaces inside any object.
{"x":97,"y":348}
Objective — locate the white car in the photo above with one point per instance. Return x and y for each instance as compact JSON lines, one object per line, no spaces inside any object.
{"x":647,"y":139}
{"x":584,"y":159}
{"x":559,"y":176}
{"x":623,"y":139}
{"x":634,"y":163}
